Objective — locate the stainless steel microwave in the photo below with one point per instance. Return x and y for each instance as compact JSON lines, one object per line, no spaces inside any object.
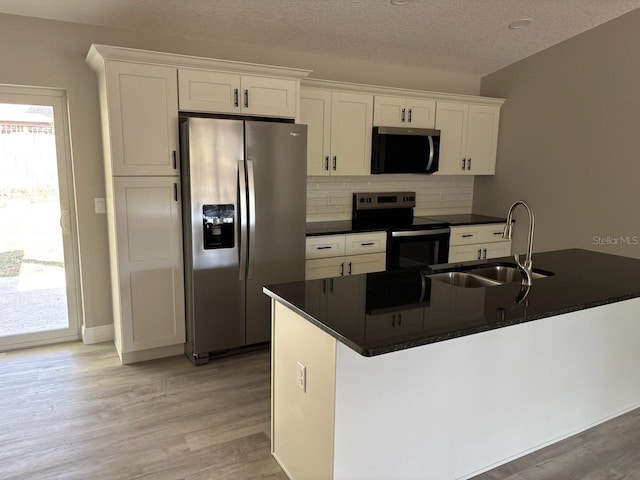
{"x":405,"y":150}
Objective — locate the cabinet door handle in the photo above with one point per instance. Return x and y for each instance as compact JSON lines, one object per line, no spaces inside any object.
{"x":324,"y":285}
{"x":469,"y":164}
{"x":326,"y":163}
{"x":464,"y":164}
{"x":342,"y":269}
{"x":399,"y":319}
{"x":484,"y":254}
{"x":246,"y":98}
{"x":410,"y":114}
{"x":393,"y":320}
{"x":175,"y":192}
{"x":403,"y":112}
{"x":335,"y":162}
{"x":349,"y":268}
{"x":367,"y":244}
{"x":479,"y":254}
{"x":331,"y":285}
{"x":235,"y":97}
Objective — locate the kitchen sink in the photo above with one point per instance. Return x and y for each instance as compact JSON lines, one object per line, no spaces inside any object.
{"x":505,"y":274}
{"x":463,"y":279}
{"x":485,"y":276}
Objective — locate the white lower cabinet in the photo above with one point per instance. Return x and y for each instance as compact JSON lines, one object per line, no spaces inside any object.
{"x":145,"y":230}
{"x":339,"y":255}
{"x":477,"y":242}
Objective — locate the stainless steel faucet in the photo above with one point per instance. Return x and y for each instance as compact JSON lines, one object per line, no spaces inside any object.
{"x":527,"y":266}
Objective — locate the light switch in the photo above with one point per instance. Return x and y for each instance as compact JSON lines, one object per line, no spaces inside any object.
{"x":100,"y":205}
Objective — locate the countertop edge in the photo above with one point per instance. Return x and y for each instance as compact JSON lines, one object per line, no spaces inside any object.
{"x":320,"y":325}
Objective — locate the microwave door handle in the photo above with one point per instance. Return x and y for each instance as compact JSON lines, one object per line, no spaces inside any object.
{"x":431,"y":153}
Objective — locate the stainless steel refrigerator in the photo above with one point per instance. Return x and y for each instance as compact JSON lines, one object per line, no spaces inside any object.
{"x":244,"y":197}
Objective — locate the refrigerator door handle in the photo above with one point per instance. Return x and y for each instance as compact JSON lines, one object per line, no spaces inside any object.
{"x":252,"y":216}
{"x":242,"y":190}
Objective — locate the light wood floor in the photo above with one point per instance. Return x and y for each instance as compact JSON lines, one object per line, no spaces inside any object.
{"x":73,"y":412}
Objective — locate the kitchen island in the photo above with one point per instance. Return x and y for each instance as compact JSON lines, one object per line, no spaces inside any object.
{"x":397,"y":375}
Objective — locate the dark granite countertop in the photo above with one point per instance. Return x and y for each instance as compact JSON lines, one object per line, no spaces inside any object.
{"x":460,"y":219}
{"x":337,"y":227}
{"x":384,"y":312}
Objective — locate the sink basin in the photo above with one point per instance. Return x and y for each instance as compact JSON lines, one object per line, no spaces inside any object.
{"x":463,"y":279}
{"x":504,"y":274}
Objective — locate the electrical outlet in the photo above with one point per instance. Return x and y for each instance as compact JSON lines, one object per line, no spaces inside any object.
{"x":331,"y":199}
{"x":301,"y":376}
{"x":100,"y":206}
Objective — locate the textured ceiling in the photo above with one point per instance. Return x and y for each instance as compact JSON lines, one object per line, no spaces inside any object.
{"x":467,"y":36}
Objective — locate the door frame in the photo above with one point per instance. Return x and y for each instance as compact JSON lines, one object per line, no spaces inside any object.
{"x":56,"y":98}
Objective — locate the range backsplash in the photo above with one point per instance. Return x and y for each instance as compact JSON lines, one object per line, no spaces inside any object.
{"x":435,"y":195}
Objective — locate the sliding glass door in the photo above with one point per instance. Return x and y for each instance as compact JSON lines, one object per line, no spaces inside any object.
{"x":39,"y":300}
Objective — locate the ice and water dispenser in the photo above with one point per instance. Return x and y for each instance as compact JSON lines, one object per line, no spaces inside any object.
{"x":218,"y":226}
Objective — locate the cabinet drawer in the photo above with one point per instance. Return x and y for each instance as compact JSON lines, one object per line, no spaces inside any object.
{"x":493,"y":233}
{"x":359,"y":243}
{"x":324,"y":246}
{"x":466,"y":235}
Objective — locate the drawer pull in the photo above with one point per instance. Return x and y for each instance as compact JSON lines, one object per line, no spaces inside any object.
{"x":498,"y":233}
{"x":467,"y":235}
{"x":327,"y":247}
{"x":367,"y":244}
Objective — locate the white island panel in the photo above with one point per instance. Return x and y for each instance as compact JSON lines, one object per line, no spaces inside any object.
{"x":453,"y":409}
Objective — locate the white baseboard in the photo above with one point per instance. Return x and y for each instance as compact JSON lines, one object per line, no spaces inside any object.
{"x":103,"y":333}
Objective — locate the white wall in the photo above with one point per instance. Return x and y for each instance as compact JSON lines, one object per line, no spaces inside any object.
{"x":569,"y":141}
{"x":51,"y":54}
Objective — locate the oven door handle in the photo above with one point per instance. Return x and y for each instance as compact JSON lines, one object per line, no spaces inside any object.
{"x":421,"y":233}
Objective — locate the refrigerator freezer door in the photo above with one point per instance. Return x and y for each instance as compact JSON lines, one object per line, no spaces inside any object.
{"x":214,"y":286}
{"x":276,"y":165}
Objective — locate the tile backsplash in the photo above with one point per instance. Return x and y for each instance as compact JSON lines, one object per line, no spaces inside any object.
{"x":330,"y":198}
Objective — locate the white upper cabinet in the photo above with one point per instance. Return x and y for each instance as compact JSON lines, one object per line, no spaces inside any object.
{"x":468,"y":138}
{"x":403,"y":112}
{"x":142,"y":105}
{"x":211,"y":91}
{"x":339,"y":131}
{"x":315,"y":112}
{"x":351,"y":124}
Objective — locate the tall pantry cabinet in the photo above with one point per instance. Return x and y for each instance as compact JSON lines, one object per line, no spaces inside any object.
{"x":139,"y":109}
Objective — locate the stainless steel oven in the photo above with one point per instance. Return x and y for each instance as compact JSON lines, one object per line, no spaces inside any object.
{"x":417,"y":248}
{"x":412,"y":242}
